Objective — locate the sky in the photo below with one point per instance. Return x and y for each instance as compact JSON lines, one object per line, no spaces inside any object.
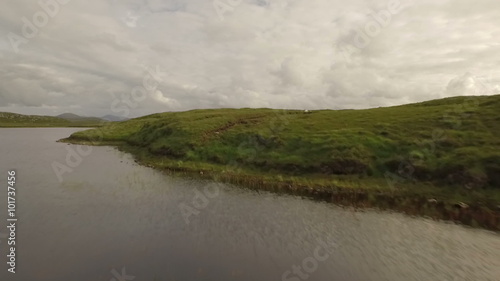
{"x":135,"y":57}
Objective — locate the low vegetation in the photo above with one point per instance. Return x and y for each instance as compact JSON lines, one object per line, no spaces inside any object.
{"x":15,"y":120}
{"x":443,"y":151}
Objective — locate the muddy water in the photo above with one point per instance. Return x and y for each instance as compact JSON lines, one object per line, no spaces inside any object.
{"x":110,"y":219}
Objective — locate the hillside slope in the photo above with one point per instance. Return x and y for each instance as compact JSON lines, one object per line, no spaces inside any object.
{"x":456,"y":140}
{"x":447,"y":149}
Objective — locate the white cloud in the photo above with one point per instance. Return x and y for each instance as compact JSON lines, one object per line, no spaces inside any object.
{"x":281,"y":54}
{"x":471,"y":85}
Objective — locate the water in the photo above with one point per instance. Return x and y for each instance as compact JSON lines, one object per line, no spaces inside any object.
{"x":109,"y":214}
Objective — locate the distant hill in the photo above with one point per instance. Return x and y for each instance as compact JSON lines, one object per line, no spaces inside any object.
{"x":8,"y":119}
{"x":68,"y":116}
{"x":114,"y":118}
{"x":77,"y":118}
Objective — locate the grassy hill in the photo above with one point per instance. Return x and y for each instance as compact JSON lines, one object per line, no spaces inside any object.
{"x":19,"y":120}
{"x":80,"y":119}
{"x":8,"y":119}
{"x":447,"y":149}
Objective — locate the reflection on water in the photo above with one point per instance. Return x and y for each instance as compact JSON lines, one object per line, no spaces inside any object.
{"x":109,"y":215}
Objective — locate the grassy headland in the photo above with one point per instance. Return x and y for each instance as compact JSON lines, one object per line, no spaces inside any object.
{"x":439,"y":158}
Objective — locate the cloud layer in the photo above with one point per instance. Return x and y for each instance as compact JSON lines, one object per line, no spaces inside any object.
{"x":87,"y":57}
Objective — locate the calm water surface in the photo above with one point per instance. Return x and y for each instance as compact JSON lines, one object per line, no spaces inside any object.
{"x":109,"y":216}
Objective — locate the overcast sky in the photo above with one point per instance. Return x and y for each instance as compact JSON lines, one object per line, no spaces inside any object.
{"x":135,"y":57}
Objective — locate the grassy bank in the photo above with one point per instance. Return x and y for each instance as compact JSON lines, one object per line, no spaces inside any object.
{"x":438,"y":158}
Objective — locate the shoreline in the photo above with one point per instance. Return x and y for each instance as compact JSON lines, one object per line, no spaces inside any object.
{"x":346,"y":192}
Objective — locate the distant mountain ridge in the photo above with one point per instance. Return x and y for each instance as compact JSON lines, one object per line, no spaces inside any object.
{"x":74,"y":117}
{"x":68,"y":116}
{"x":8,"y":119}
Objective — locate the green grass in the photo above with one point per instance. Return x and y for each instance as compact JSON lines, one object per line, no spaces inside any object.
{"x":447,"y":149}
{"x":14,"y":120}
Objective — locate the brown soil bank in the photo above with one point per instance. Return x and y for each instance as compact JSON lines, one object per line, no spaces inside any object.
{"x":478,"y":214}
